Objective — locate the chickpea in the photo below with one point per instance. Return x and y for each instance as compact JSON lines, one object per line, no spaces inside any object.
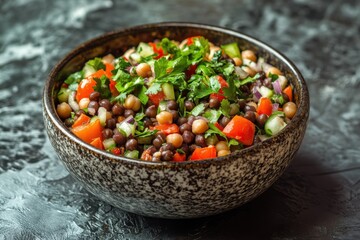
{"x":289,"y":109}
{"x":237,"y":61}
{"x":273,"y":70}
{"x":84,"y":103}
{"x":132,"y":102}
{"x":221,"y":145}
{"x":199,"y":126}
{"x":175,"y":139}
{"x":248,"y":54}
{"x":164,"y":117}
{"x":108,"y":59}
{"x":253,"y":104}
{"x":143,"y":70}
{"x":63,"y":110}
{"x":223,"y":153}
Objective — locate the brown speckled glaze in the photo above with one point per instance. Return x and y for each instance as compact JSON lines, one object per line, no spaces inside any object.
{"x":174,"y":190}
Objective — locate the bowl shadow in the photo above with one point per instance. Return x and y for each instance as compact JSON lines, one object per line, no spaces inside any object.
{"x":297,"y":203}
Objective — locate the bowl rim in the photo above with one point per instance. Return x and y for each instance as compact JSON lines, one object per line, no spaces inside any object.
{"x":49,"y":105}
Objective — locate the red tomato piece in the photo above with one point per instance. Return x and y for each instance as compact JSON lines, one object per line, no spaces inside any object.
{"x":97,"y":143}
{"x":204,"y":153}
{"x":85,"y":88}
{"x":157,"y":50}
{"x":83,"y":119}
{"x":264,"y":106}
{"x":220,"y":95}
{"x":167,"y":128}
{"x":88,"y":132}
{"x":178,"y":157}
{"x":289,"y":92}
{"x":241,"y":129}
{"x":157,"y":98}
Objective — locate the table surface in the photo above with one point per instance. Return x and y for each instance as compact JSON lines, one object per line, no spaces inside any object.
{"x":318,"y":197}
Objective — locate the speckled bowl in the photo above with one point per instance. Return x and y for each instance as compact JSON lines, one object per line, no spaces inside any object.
{"x":166,"y":189}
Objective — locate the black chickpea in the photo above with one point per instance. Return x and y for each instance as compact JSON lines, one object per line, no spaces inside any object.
{"x":105,"y":103}
{"x":131,"y":144}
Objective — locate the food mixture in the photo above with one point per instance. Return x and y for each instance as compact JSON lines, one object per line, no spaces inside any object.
{"x":172,"y":101}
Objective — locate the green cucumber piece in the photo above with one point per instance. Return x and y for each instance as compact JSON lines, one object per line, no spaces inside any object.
{"x":132,"y":154}
{"x":168,"y":90}
{"x":109,"y":144}
{"x":266,"y":92}
{"x":63,"y":94}
{"x":231,"y":49}
{"x":145,"y":49}
{"x":275,"y":123}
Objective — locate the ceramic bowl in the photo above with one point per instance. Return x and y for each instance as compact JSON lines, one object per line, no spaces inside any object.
{"x":167,"y":189}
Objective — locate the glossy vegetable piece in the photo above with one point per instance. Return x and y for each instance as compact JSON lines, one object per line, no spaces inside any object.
{"x":97,"y":143}
{"x":85,"y":88}
{"x":264,"y":106}
{"x":179,"y":157}
{"x":167,"y":128}
{"x":204,"y":153}
{"x":288,"y":91}
{"x":83,"y":119}
{"x":88,"y":132}
{"x":240,"y":129}
{"x":275,"y":123}
{"x":220,"y":95}
{"x":191,"y":40}
{"x":157,"y":98}
{"x":157,"y":50}
{"x":231,"y":49}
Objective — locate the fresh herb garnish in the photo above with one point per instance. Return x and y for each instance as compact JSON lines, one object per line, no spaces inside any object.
{"x":96,"y":64}
{"x":75,"y":77}
{"x":197,"y":110}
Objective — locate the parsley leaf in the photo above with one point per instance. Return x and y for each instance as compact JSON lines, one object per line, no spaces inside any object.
{"x":273,"y":76}
{"x":197,"y":110}
{"x":142,"y":95}
{"x":96,"y":64}
{"x":169,"y":47}
{"x":154,"y":88}
{"x":75,"y":77}
{"x":225,"y":107}
{"x":102,"y":86}
{"x":214,"y":130}
{"x":121,"y":64}
{"x":214,"y":84}
{"x":249,"y":79}
{"x":212,"y":115}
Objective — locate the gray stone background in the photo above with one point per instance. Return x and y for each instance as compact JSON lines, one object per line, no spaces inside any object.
{"x":318,"y":197}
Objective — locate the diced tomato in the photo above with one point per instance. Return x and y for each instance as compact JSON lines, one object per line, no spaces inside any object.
{"x":241,"y":129}
{"x":88,"y":132}
{"x":108,"y":69}
{"x":264,"y":106}
{"x":190,"y":40}
{"x":116,"y":151}
{"x":289,"y":92}
{"x":190,"y":71}
{"x":112,"y":88}
{"x":204,"y":153}
{"x":85,"y":88}
{"x":157,"y":98}
{"x":218,"y":126}
{"x":83,"y":119}
{"x":179,"y":157}
{"x":220,"y":95}
{"x":157,"y":50}
{"x":167,"y":128}
{"x":97,"y":143}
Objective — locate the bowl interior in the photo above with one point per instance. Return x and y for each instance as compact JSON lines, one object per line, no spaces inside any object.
{"x":118,"y":42}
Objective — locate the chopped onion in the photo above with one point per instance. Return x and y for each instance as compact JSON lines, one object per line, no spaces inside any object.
{"x":277,"y":86}
{"x":130,"y":119}
{"x":240,"y":72}
{"x":256,"y":93}
{"x":71,"y":100}
{"x":102,"y":115}
{"x":275,"y":107}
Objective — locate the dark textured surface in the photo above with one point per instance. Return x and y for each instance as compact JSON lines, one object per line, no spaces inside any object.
{"x":318,"y":197}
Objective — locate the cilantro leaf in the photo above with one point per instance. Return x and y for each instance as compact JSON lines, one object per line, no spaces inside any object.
{"x":214,"y":84}
{"x":214,"y":130}
{"x":249,"y":79}
{"x":142,"y":95}
{"x":230,"y":91}
{"x":154,"y":88}
{"x":75,"y":77}
{"x":225,"y":107}
{"x":169,"y":47}
{"x":121,"y":63}
{"x":197,"y":110}
{"x":160,"y":67}
{"x":96,"y":64}
{"x":102,"y":86}
{"x":273,"y":76}
{"x":212,"y":115}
